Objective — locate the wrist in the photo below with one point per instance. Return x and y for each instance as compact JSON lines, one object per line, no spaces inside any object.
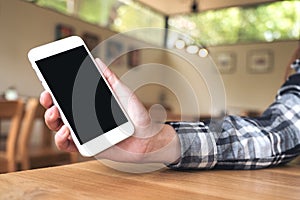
{"x":164,"y":147}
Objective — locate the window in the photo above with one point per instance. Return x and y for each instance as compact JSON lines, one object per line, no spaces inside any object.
{"x":118,"y":15}
{"x":267,"y":22}
{"x":131,"y":15}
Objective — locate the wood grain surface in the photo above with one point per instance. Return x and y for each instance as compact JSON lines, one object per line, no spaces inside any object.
{"x":93,"y":180}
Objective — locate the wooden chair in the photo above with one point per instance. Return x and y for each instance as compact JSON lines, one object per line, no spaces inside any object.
{"x":12,"y":111}
{"x":43,"y":153}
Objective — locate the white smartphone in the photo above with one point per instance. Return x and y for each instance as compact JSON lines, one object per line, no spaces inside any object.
{"x":87,"y":104}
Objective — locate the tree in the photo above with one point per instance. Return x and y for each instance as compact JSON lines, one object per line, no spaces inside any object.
{"x":267,"y":22}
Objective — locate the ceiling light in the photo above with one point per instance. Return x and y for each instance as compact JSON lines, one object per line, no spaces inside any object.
{"x":179,"y":44}
{"x":203,"y":53}
{"x":192,"y":49}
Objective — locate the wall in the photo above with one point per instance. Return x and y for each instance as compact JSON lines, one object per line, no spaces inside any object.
{"x":255,"y":90}
{"x":24,"y":25}
{"x":244,"y":90}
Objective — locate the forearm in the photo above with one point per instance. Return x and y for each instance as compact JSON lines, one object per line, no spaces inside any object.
{"x":240,"y":146}
{"x":258,"y":143}
{"x":245,"y":143}
{"x":270,"y":140}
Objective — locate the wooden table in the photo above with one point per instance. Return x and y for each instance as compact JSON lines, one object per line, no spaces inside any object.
{"x":93,"y":180}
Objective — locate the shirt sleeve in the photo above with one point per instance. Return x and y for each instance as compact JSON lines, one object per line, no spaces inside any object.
{"x":235,"y":142}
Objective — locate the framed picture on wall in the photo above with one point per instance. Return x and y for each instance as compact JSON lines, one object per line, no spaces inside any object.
{"x":260,"y":61}
{"x":113,"y":52}
{"x":91,"y":40}
{"x":133,"y":58}
{"x":62,"y":31}
{"x":226,"y":62}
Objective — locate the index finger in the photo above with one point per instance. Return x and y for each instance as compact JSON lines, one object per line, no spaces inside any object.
{"x":46,"y":100}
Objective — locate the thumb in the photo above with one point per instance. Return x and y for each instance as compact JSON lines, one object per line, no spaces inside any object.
{"x":122,"y":92}
{"x":112,"y":79}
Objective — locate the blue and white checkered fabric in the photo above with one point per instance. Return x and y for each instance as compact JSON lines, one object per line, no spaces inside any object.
{"x":296,"y":64}
{"x":242,"y":142}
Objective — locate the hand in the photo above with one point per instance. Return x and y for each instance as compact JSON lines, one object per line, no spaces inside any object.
{"x":151,"y":142}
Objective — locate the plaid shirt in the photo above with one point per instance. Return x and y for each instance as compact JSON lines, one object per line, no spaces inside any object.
{"x":245,"y":143}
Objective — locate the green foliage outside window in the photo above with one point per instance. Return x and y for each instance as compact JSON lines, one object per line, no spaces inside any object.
{"x":96,"y":11}
{"x":268,"y":22}
{"x":59,"y":5}
{"x":131,"y":16}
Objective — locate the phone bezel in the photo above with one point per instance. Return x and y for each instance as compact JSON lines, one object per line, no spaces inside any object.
{"x":102,"y":142}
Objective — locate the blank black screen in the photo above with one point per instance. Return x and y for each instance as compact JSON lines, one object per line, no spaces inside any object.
{"x":90,"y":112}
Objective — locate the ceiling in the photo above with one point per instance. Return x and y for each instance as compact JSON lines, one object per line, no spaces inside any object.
{"x":173,"y":7}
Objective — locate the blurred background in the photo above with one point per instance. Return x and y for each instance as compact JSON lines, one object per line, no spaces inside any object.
{"x":249,"y":41}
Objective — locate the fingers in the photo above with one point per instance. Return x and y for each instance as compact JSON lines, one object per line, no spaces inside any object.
{"x":63,"y":140}
{"x":46,"y":100}
{"x":101,"y":65}
{"x":108,"y":74}
{"x":52,"y":118}
{"x":136,"y":110}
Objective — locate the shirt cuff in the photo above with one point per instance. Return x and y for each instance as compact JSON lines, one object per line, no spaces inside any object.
{"x":291,"y":86}
{"x":198,"y":146}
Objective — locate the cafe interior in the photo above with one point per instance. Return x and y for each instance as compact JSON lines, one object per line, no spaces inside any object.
{"x":186,"y":60}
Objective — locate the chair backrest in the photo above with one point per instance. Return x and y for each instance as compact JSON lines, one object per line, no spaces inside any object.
{"x":13,"y":111}
{"x":33,"y":111}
